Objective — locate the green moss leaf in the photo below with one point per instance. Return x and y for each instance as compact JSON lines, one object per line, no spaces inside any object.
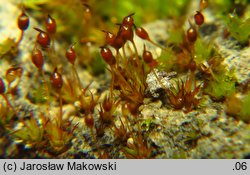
{"x":222,"y":86}
{"x":175,"y":36}
{"x":245,"y":111}
{"x":167,"y":60}
{"x":39,"y":95}
{"x":97,"y":67}
{"x":34,"y":4}
{"x":238,"y":28}
{"x":202,"y":51}
{"x":30,"y":132}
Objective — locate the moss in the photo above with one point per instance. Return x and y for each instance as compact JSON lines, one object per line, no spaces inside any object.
{"x":174,"y":8}
{"x":31,"y":133}
{"x":39,"y":95}
{"x":175,"y":36}
{"x":147,"y":124}
{"x":203,"y":51}
{"x":221,"y":6}
{"x":245,"y":110}
{"x":159,"y":9}
{"x":34,"y":4}
{"x":97,"y":66}
{"x":48,"y":132}
{"x":238,"y":28}
{"x":222,"y":86}
{"x":179,"y":154}
{"x":167,"y":60}
{"x":8,"y":48}
{"x":6,"y":115}
{"x":238,"y":106}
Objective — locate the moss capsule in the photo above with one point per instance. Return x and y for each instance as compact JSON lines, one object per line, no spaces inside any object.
{"x":126,"y":32}
{"x":119,"y":42}
{"x":107,"y":55}
{"x":37,"y":58}
{"x":23,"y":21}
{"x":199,"y":18}
{"x":43,"y":38}
{"x":128,"y":20}
{"x":147,"y":56}
{"x":50,"y":25}
{"x":56,"y":80}
{"x":191,"y":34}
{"x":109,"y":38}
{"x":71,"y":55}
{"x":142,"y":33}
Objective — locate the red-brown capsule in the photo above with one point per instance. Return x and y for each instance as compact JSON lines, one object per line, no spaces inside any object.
{"x":147,"y":56}
{"x":109,"y":38}
{"x":23,"y":21}
{"x":107,"y":55}
{"x":119,"y":42}
{"x":126,"y":32}
{"x":199,"y":18}
{"x":128,"y":20}
{"x":43,"y":38}
{"x":56,"y":80}
{"x":71,"y":55}
{"x":89,"y":120}
{"x":37,"y":58}
{"x":50,"y":24}
{"x":191,"y":34}
{"x":2,"y":86}
{"x":142,"y":33}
